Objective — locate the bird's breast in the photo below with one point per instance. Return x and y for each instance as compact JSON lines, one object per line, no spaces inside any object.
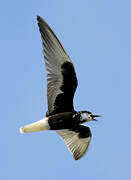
{"x":62,"y":121}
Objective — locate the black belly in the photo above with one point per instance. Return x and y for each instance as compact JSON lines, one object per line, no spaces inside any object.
{"x":62,"y":121}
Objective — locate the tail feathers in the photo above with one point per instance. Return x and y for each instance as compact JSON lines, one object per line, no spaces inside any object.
{"x":36,"y":126}
{"x":21,"y":130}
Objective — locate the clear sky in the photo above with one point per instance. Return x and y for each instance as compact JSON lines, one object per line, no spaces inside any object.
{"x":97,"y":37}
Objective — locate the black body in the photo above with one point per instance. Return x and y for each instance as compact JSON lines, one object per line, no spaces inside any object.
{"x":66,"y":120}
{"x":61,"y":86}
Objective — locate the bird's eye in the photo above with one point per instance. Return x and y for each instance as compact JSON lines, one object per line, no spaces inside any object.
{"x":90,"y":115}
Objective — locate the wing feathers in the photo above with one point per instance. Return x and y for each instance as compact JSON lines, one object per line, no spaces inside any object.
{"x":58,"y":83}
{"x":76,"y":144}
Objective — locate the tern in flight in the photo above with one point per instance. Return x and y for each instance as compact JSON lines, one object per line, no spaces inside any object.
{"x":61,"y":86}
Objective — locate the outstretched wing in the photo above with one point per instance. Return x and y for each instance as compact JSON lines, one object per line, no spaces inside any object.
{"x":77,"y":140}
{"x":61,"y":76}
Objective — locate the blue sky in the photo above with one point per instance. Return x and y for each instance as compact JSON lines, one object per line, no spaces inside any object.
{"x":96,"y":35}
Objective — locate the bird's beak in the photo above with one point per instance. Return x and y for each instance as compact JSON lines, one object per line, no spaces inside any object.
{"x":94,"y":116}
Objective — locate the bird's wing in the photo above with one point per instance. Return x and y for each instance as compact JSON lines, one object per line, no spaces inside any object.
{"x":77,"y":140}
{"x":61,"y":76}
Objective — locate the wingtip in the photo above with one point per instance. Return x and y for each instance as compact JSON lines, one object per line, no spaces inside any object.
{"x":76,"y":156}
{"x":38,"y":17}
{"x":42,"y":22}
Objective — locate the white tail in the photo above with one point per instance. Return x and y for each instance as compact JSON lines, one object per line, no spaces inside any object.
{"x":36,"y":126}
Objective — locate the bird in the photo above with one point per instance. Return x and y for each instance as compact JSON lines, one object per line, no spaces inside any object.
{"x":61,"y":86}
